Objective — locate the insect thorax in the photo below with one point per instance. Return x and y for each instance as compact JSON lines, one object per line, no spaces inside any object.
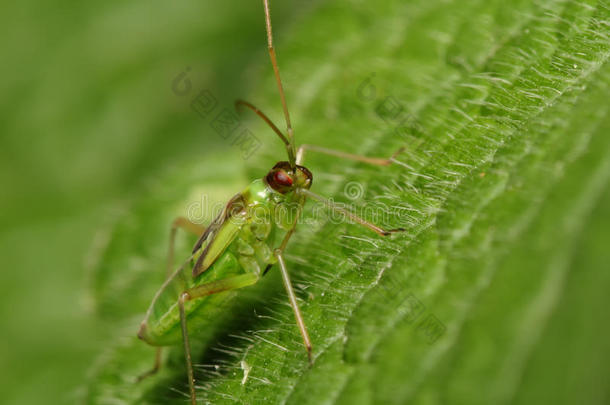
{"x":269,"y":215}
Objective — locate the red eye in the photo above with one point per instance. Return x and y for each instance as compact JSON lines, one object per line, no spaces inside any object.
{"x":282,"y":178}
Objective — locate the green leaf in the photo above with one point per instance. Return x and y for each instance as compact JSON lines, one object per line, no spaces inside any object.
{"x":496,"y":291}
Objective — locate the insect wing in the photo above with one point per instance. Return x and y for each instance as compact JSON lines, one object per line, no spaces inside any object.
{"x":219,"y":235}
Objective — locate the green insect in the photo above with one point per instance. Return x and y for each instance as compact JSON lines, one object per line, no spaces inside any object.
{"x":241,"y":244}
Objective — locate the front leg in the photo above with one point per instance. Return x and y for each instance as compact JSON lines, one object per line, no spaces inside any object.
{"x":279,"y":254}
{"x":345,"y":155}
{"x":293,"y":303}
{"x":350,"y":215}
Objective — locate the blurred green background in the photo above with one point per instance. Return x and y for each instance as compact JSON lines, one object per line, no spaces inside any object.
{"x":506,"y":179}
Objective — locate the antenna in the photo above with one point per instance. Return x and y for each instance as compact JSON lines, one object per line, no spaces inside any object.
{"x":276,"y":71}
{"x":242,"y":103}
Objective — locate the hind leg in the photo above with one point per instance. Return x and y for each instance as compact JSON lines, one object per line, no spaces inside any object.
{"x":225,"y":284}
{"x":191,"y":227}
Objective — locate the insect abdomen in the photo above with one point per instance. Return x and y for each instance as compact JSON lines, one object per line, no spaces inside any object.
{"x":161,"y":326}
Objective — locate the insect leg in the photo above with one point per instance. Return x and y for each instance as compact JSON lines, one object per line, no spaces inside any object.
{"x":293,"y":303}
{"x":279,"y":254}
{"x":183,"y":223}
{"x":350,"y":214}
{"x":345,"y":155}
{"x":225,"y":284}
{"x":187,"y":348}
{"x":155,"y":367}
{"x":187,"y":225}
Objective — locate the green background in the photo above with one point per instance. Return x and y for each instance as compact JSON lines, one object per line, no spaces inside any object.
{"x":504,"y":186}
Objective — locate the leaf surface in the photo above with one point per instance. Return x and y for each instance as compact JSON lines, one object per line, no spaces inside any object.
{"x":495,"y":292}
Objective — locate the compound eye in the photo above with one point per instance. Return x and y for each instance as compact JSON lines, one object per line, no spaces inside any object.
{"x":282,"y":178}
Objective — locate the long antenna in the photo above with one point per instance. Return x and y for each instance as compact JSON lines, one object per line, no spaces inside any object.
{"x":242,"y":103}
{"x":276,"y":70}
